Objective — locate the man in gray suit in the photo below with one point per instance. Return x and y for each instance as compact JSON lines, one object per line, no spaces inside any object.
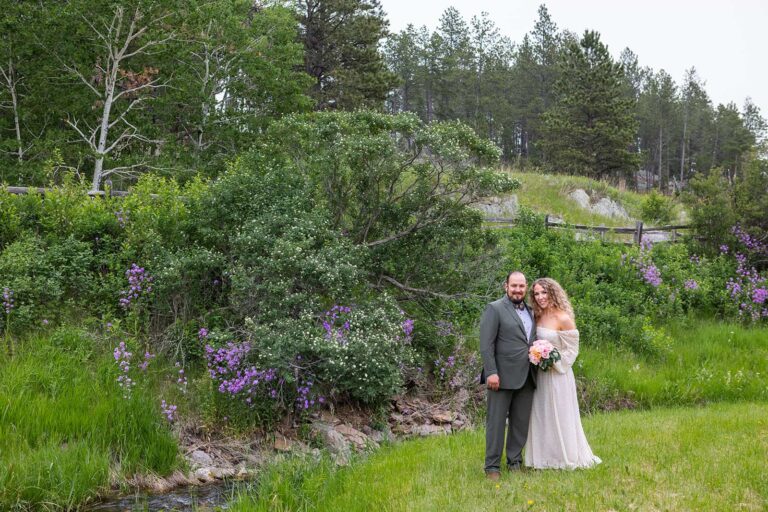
{"x":507,"y":330}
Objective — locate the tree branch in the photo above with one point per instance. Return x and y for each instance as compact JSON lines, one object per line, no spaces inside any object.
{"x":421,"y":291}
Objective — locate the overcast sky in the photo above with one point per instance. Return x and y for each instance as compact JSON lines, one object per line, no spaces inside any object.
{"x":726,"y":40}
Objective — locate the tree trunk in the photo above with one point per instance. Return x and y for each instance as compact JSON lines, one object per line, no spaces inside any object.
{"x":109,"y":90}
{"x":10,"y":79}
{"x":682,"y":150}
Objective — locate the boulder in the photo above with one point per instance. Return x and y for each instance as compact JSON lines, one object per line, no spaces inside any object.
{"x":609,"y":208}
{"x":581,"y":197}
{"x":504,"y":207}
{"x":430,"y":430}
{"x":282,"y":443}
{"x":354,"y":436}
{"x":334,"y":440}
{"x":443,"y":416}
{"x":201,"y":458}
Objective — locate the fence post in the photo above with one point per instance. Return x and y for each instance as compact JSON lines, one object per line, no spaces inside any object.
{"x":546,"y":221}
{"x":639,"y":232}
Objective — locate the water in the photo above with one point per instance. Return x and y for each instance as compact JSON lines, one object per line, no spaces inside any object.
{"x":183,"y":499}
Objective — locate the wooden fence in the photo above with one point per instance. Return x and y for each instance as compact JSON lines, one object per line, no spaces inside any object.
{"x":669,"y":233}
{"x":656,"y":233}
{"x":42,"y":190}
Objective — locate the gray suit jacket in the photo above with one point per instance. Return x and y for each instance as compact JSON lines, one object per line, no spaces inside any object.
{"x":504,"y":344}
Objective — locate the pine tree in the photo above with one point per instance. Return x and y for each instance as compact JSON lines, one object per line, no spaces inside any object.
{"x":591,"y":127}
{"x":341,"y":43}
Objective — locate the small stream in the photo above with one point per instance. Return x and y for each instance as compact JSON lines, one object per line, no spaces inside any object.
{"x":183,"y":499}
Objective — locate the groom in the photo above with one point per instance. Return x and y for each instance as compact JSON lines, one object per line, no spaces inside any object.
{"x":507,"y":329}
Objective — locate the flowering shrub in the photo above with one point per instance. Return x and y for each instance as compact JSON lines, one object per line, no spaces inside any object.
{"x":648,"y":271}
{"x":139,"y":287}
{"x":123,"y":360}
{"x":169,"y":411}
{"x":749,"y":291}
{"x":347,"y":352}
{"x":240,"y":388}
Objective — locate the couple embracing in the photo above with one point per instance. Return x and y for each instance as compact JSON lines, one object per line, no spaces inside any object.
{"x":539,"y":408}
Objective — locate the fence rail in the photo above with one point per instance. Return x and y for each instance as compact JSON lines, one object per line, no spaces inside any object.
{"x":43,"y":191}
{"x":638,"y":231}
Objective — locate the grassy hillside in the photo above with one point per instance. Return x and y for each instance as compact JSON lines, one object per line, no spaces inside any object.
{"x":548,"y":193}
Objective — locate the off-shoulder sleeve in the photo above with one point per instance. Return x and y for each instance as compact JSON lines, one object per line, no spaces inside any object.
{"x":570,"y":343}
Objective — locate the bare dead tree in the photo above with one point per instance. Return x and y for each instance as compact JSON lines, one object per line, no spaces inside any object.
{"x":11,"y":81}
{"x":212,"y":63}
{"x":119,"y":92}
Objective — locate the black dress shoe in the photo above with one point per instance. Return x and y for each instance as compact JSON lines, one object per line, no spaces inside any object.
{"x":514,"y":467}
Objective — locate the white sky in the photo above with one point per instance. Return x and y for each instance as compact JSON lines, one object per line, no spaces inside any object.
{"x":724,"y":40}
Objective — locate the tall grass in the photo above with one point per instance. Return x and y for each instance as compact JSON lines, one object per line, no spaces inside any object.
{"x":699,"y":362}
{"x":708,"y":458}
{"x":64,"y":424}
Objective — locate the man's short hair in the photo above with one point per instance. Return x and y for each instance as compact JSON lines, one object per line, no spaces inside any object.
{"x":514,"y":272}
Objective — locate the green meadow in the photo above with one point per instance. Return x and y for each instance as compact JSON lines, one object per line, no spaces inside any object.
{"x":698,"y":441}
{"x":692,"y":458}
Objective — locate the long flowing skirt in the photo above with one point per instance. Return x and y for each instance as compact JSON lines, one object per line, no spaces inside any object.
{"x":555,"y":436}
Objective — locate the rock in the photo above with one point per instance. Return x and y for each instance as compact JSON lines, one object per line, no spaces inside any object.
{"x":377,"y":435}
{"x":461,"y":399}
{"x":556,"y":219}
{"x":443,"y":416}
{"x":201,"y":458}
{"x":501,"y":207}
{"x":334,"y":440}
{"x":204,"y":475}
{"x":327,"y":417}
{"x":581,"y":197}
{"x":656,"y":236}
{"x":429,"y":430}
{"x":457,"y":424}
{"x":609,"y":208}
{"x":357,"y":438}
{"x":282,"y":443}
{"x":222,"y":473}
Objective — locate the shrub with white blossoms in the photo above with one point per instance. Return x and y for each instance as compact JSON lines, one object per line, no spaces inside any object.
{"x":351,"y":351}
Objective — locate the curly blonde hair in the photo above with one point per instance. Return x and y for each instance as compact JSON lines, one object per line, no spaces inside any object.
{"x":557,"y":296}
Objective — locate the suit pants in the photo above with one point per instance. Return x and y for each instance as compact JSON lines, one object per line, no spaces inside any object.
{"x":513,"y":408}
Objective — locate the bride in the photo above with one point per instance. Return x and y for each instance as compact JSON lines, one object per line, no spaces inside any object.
{"x":555,"y":436}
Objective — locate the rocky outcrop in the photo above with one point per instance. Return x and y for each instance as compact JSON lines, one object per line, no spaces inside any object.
{"x":213,"y":459}
{"x":581,"y":198}
{"x":418,"y":417}
{"x":605,"y":206}
{"x":499,"y":207}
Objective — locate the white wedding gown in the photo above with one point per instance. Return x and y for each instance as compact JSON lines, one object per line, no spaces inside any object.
{"x":555,"y":437}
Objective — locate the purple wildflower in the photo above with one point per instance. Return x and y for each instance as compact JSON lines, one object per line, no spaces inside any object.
{"x":169,"y":411}
{"x":8,"y":302}
{"x":139,"y":285}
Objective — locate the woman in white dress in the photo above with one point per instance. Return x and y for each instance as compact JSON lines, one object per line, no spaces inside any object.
{"x":555,"y":437}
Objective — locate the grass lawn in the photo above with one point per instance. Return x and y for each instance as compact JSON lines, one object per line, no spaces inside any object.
{"x":708,"y":458}
{"x":705,"y":361}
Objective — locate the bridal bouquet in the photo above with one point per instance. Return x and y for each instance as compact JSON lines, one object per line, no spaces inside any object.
{"x":543,"y":354}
